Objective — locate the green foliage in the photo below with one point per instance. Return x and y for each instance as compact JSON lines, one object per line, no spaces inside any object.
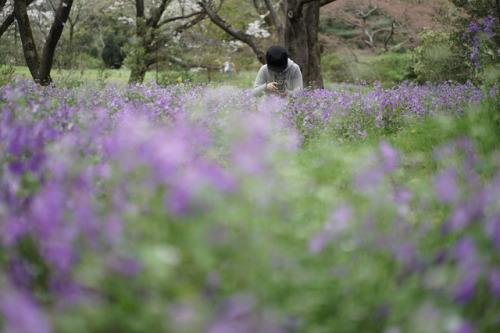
{"x":484,"y":125}
{"x":176,"y":76}
{"x":389,"y":68}
{"x":439,"y":59}
{"x":135,"y":55}
{"x":329,"y":26}
{"x":393,"y":66}
{"x":337,"y":67}
{"x":6,"y":75}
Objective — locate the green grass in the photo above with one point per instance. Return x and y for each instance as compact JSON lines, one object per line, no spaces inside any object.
{"x":240,"y":79}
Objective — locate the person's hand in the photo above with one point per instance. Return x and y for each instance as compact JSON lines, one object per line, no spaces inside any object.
{"x":272,"y":86}
{"x":283,"y":93}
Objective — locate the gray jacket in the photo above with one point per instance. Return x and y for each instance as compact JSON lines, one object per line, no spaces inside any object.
{"x":292,"y":78}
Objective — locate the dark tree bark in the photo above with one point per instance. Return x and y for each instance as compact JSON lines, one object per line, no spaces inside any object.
{"x":10,"y":18}
{"x":301,"y":38}
{"x":2,"y":4}
{"x":40,"y":67}
{"x":149,"y":37}
{"x":28,"y":41}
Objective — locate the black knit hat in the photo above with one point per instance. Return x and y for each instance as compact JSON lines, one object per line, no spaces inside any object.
{"x":276,"y":59}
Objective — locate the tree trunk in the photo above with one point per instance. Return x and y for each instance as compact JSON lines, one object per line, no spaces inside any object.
{"x":40,"y":67}
{"x":301,"y":39}
{"x":137,"y":75}
{"x":150,"y":39}
{"x":49,"y":48}
{"x":28,"y":41}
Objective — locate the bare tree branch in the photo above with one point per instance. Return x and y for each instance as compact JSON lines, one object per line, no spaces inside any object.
{"x":236,"y":33}
{"x":356,"y":59}
{"x":278,"y":24}
{"x":6,"y":24}
{"x":176,"y":18}
{"x":364,"y":15}
{"x":386,"y":41}
{"x":325,"y":2}
{"x":157,"y":14}
{"x":10,"y":18}
{"x":185,"y":26}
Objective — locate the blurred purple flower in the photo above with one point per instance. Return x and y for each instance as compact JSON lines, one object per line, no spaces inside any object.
{"x":402,"y":195}
{"x":60,"y":256}
{"x":240,"y":314}
{"x":390,"y":156}
{"x":318,"y":242}
{"x":458,"y":219}
{"x":466,"y":288}
{"x":469,"y":266}
{"x":178,"y":200}
{"x":465,"y":249}
{"x":446,"y":185}
{"x":492,"y":229}
{"x":13,"y":229}
{"x":47,"y":209}
{"x":21,"y":314}
{"x":405,"y":253}
{"x":494,"y":281}
{"x":124,"y":265}
{"x":336,"y":224}
{"x":465,"y":327}
{"x":368,"y":178}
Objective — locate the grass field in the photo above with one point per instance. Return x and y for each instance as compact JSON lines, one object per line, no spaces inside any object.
{"x":241,"y":79}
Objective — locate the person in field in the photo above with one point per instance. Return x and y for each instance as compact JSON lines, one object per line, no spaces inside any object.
{"x":279,"y":75}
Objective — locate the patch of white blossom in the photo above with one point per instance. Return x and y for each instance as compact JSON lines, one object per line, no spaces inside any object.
{"x":126,"y":19}
{"x":254,"y":29}
{"x":233,"y":45}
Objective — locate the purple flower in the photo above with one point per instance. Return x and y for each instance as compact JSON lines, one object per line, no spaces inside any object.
{"x":21,"y":314}
{"x":402,"y":195}
{"x":127,"y":266}
{"x":469,"y":267}
{"x":494,"y":281}
{"x":240,"y":314}
{"x":446,"y":185}
{"x":492,"y":229}
{"x":390,"y":156}
{"x":465,"y":327}
{"x":459,"y":218}
{"x":369,"y":178}
{"x":318,"y":242}
{"x":465,"y":249}
{"x":338,"y":222}
{"x":466,"y":288}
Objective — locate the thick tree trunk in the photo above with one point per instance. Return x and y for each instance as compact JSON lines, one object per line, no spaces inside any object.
{"x":137,"y":75}
{"x":40,"y":67}
{"x":301,"y":39}
{"x":28,"y":41}
{"x":49,"y":48}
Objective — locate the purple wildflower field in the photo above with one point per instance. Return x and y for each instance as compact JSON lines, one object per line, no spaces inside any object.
{"x":196,"y":209}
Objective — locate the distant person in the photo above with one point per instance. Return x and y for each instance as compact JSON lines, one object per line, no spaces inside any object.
{"x":228,"y":67}
{"x":279,"y":75}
